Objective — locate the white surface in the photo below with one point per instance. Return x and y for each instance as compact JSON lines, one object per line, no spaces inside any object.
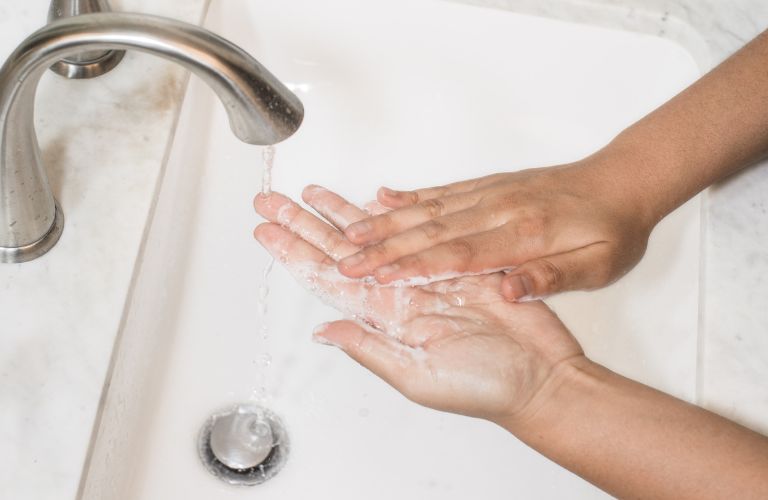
{"x":486,"y":90}
{"x":103,"y":142}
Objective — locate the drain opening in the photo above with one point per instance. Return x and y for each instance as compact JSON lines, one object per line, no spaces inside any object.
{"x":244,"y":445}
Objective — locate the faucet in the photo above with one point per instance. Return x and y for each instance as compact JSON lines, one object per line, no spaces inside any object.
{"x":262,"y":111}
{"x":83,"y":64}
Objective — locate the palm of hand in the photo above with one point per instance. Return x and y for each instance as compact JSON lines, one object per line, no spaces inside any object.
{"x":454,"y":345}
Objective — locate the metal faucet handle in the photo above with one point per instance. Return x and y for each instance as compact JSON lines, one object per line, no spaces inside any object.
{"x":88,"y":64}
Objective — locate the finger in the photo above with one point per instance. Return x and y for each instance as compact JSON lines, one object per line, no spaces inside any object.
{"x":398,"y":199}
{"x":289,"y":248}
{"x":282,"y":210}
{"x":333,"y":207}
{"x":383,"y":355}
{"x":414,"y":240}
{"x":481,"y":253}
{"x":317,"y":272}
{"x":375,"y":208}
{"x":583,"y":268}
{"x":383,"y":226}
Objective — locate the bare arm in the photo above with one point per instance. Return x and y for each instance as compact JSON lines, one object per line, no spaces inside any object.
{"x":635,"y":442}
{"x":459,"y":347}
{"x":713,"y":129}
{"x":581,"y":225}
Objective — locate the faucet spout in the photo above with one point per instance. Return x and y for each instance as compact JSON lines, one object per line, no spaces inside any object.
{"x":261,"y":110}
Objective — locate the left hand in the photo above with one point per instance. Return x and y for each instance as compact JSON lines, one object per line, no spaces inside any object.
{"x":453,"y":345}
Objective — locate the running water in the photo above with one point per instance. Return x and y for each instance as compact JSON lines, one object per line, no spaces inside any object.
{"x":268,"y":160}
{"x":265,"y":359}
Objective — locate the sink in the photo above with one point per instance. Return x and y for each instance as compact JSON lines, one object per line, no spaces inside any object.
{"x":405,"y":93}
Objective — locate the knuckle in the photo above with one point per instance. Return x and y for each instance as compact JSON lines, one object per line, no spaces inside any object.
{"x":333,"y":244}
{"x":531,"y":226}
{"x":547,"y":275}
{"x":415,"y":263}
{"x":432,"y":229}
{"x":433,"y":207}
{"x":464,"y":251}
{"x":382,"y":223}
{"x":377,"y":251}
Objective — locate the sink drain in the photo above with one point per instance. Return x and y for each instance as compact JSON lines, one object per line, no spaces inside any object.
{"x":244,"y":445}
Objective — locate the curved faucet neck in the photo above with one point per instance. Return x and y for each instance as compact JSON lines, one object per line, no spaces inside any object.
{"x":261,"y":109}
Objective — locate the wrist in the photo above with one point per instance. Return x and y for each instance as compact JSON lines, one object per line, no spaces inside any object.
{"x":635,"y":182}
{"x":570,"y":382}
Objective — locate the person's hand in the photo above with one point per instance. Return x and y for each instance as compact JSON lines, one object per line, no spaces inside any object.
{"x":556,"y":229}
{"x":455,"y":345}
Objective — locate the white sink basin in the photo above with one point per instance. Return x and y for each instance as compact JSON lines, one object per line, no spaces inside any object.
{"x":404,"y":93}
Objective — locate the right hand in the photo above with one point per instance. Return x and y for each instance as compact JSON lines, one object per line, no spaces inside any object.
{"x":553,"y":229}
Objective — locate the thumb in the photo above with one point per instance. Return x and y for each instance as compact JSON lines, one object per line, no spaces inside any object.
{"x":383,"y":355}
{"x":584,"y":268}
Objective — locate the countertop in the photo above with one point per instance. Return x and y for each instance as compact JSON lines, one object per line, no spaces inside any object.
{"x":105,"y":142}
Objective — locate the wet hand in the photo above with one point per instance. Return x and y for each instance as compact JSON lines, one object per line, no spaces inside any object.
{"x":454,"y":345}
{"x":556,"y":229}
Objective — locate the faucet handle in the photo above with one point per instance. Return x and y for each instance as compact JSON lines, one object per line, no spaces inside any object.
{"x":88,"y":64}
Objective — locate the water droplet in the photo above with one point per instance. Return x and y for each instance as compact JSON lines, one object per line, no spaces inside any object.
{"x":265,"y":360}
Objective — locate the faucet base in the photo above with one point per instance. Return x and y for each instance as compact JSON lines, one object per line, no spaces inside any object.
{"x":76,"y":70}
{"x":34,"y":250}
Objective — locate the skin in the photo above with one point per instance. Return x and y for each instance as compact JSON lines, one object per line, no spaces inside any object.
{"x":582,"y":225}
{"x":460,"y":347}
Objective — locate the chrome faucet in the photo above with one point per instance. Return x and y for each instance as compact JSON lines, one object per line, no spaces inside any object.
{"x":83,"y":64}
{"x":261,"y":110}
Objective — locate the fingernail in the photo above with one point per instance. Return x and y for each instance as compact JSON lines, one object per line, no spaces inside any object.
{"x":519,"y":286}
{"x":352,"y":260}
{"x":388,"y":192}
{"x":359,"y":229}
{"x":317,"y":335}
{"x":312,"y":189}
{"x":385,"y":271}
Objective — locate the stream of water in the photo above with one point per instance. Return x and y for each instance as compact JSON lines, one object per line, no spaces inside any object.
{"x":262,"y":299}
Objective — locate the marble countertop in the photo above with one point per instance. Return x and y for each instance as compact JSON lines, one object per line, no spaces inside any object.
{"x":104,"y":143}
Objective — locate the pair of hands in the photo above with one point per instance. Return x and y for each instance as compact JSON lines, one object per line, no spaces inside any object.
{"x":455,"y":345}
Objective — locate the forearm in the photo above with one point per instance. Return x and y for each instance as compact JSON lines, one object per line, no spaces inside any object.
{"x":636,"y":442}
{"x":712,"y":129}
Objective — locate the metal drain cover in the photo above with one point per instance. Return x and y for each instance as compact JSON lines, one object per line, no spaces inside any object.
{"x":244,"y":445}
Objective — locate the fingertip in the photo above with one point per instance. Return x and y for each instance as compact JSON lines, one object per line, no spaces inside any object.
{"x":358,"y":232}
{"x":259,"y":200}
{"x":262,"y":231}
{"x":385,"y":192}
{"x":387,"y":274}
{"x":391,"y":198}
{"x":321,"y":335}
{"x":341,"y":334}
{"x":310,"y":191}
{"x":351,"y":269}
{"x":517,"y":287}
